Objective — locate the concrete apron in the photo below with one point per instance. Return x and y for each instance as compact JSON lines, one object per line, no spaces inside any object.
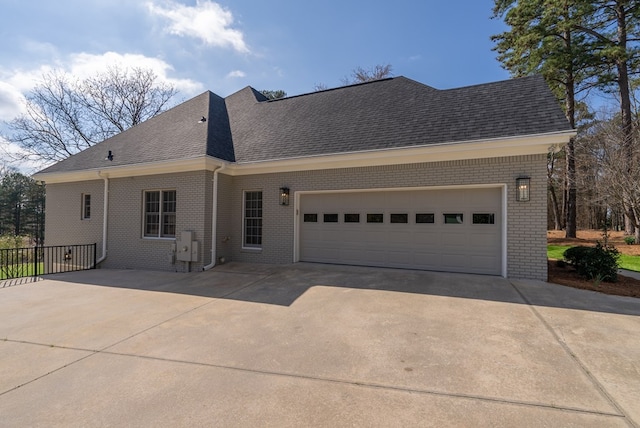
{"x":314,"y":345}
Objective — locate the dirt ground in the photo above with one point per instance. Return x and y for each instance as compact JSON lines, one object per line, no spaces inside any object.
{"x":566,"y":275}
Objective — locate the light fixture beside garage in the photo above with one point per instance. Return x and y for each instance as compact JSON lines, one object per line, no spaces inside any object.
{"x":284,"y":196}
{"x":523,"y":187}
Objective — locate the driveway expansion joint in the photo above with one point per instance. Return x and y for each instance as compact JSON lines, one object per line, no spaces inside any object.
{"x":599,"y":387}
{"x":373,"y":385}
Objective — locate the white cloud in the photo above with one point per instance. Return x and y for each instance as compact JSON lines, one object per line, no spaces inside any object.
{"x":237,"y":73}
{"x":207,"y":21}
{"x":85,"y":65}
{"x":14,"y":83}
{"x":11,"y":101}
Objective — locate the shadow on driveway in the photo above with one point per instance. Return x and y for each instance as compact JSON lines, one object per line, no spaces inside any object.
{"x":284,"y":284}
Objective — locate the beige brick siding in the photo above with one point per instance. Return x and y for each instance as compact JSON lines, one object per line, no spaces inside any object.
{"x":126,"y":248}
{"x":526,"y":227}
{"x":226,"y":212}
{"x":526,"y":221}
{"x":63,"y":217}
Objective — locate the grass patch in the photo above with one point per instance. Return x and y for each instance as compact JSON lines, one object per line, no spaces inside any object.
{"x":19,"y":271}
{"x":630,"y":262}
{"x":556,"y":252}
{"x":626,"y":262}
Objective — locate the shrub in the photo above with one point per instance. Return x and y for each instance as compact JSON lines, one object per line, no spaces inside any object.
{"x":629,"y":240}
{"x":12,"y":241}
{"x":599,"y":262}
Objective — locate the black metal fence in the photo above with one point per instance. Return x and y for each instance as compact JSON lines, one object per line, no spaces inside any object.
{"x":36,"y":261}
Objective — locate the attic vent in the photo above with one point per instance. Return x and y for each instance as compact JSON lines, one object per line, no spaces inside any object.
{"x":203,"y":120}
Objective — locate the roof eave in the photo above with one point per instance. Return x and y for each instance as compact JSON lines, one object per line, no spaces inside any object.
{"x":462,"y":150}
{"x":198,"y":163}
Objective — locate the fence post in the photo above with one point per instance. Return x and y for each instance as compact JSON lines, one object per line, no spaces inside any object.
{"x":35,"y":261}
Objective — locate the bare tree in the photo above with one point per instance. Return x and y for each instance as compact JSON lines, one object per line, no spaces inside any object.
{"x":66,"y":115}
{"x":361,"y":75}
{"x":274,"y":94}
{"x":618,"y":183}
{"x":554,"y":182}
{"x":320,"y":87}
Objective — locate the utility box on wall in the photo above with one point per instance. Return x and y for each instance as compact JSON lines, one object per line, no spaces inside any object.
{"x":186,"y":247}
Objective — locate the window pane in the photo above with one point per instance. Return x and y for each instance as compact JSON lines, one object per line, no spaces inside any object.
{"x":375,"y":218}
{"x":331,"y":218}
{"x":168,"y":225}
{"x":352,"y":218}
{"x":160,"y":213}
{"x":425,"y":218}
{"x":453,"y":218}
{"x":169,"y":202}
{"x":399,"y":218}
{"x":253,"y":219}
{"x":86,"y":206}
{"x":484,"y":218}
{"x":152,"y":225}
{"x":152,"y":200}
{"x":311,"y":218}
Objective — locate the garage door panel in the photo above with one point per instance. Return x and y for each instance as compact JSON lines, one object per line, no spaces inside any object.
{"x":454,"y":262}
{"x":456,"y":239}
{"x":399,"y":239}
{"x":481,"y":262}
{"x":432,"y":245}
{"x":431,"y":260}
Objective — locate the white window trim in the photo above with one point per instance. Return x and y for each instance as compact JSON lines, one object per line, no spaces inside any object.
{"x":246,"y":247}
{"x":83,"y":206}
{"x":144,"y":212}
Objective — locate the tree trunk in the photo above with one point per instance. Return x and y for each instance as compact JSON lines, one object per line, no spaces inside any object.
{"x":625,"y":104}
{"x":570,"y":105}
{"x":571,"y":213}
{"x":555,"y":209}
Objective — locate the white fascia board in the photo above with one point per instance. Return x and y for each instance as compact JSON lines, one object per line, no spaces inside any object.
{"x":199,"y":163}
{"x":465,"y":150}
{"x":476,"y":149}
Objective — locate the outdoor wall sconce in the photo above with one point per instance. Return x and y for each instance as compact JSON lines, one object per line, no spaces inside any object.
{"x":523,"y":188}
{"x":109,"y":156}
{"x":284,"y":196}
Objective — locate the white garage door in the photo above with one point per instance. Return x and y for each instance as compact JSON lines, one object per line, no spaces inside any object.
{"x":445,"y":230}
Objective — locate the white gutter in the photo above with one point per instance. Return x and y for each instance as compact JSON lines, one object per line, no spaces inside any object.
{"x":214,"y":219}
{"x":105,"y":216}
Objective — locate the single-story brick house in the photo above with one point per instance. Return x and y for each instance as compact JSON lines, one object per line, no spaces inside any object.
{"x":387,"y":173}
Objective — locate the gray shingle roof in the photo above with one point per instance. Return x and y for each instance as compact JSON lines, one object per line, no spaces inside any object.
{"x":173,"y":134}
{"x":390,"y":113}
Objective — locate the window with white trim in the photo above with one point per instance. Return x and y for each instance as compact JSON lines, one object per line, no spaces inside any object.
{"x":160,"y":214}
{"x":86,"y":206}
{"x":252,"y":219}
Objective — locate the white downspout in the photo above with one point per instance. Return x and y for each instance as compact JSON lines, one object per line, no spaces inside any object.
{"x":105,"y":216}
{"x":214,"y":220}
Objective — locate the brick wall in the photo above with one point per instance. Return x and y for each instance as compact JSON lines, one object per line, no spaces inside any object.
{"x":63,"y":217}
{"x":126,"y":247}
{"x":526,"y":221}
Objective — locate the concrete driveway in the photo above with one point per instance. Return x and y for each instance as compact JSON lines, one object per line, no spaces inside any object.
{"x":314,"y":345}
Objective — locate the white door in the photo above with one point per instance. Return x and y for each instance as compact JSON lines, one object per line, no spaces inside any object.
{"x":452,"y":230}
